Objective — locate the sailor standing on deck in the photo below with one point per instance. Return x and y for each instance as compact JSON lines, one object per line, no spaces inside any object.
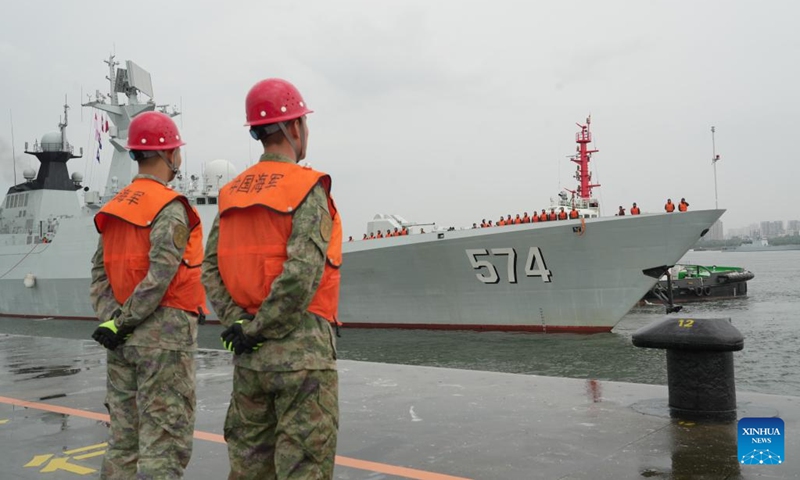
{"x":272,"y":274}
{"x":146,"y":287}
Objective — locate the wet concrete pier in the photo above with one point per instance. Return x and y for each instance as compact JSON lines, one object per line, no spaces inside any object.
{"x":396,"y":422}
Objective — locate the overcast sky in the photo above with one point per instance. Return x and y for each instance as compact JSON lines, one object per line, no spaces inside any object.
{"x":446,"y":111}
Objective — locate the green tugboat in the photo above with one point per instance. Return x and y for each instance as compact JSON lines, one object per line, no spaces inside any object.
{"x":692,"y":283}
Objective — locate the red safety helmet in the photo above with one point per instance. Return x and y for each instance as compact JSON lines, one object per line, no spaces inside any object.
{"x":153,"y":131}
{"x":274,"y":100}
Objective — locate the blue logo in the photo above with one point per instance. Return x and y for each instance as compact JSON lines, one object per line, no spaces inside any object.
{"x":760,"y":441}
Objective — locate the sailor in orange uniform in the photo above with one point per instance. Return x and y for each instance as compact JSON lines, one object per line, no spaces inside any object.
{"x":543,"y":216}
{"x":683,"y":206}
{"x":573,"y":213}
{"x":669,"y":207}
{"x":517,"y":220}
{"x":635,"y":210}
{"x":526,"y":218}
{"x":562,"y":215}
{"x":552,"y":215}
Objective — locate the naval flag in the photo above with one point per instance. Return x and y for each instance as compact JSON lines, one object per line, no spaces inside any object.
{"x":97,"y":128}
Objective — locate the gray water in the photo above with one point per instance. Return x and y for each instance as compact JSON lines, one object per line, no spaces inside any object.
{"x":767,"y":318}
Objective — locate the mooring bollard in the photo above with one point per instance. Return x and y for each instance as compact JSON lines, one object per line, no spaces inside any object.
{"x":700,"y":376}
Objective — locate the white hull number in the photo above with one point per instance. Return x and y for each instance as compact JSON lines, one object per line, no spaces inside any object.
{"x":534,"y":265}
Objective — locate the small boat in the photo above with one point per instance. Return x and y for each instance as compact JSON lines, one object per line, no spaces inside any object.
{"x":692,"y":283}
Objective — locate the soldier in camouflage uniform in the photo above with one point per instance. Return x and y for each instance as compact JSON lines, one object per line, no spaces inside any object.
{"x":272,"y":276}
{"x":146,"y":289}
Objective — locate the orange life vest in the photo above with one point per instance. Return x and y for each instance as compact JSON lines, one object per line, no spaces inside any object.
{"x":517,"y":220}
{"x":634,"y":210}
{"x":255,"y":223}
{"x":552,"y":216}
{"x":562,"y":215}
{"x":573,"y":214}
{"x":669,"y":207}
{"x":683,"y":206}
{"x":543,"y":217}
{"x":124,"y":223}
{"x":501,"y":223}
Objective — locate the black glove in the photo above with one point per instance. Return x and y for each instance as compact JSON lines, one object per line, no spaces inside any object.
{"x":235,"y":340}
{"x":109,"y":335}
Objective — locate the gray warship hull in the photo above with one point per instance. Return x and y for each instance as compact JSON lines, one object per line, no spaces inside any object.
{"x":553,"y":277}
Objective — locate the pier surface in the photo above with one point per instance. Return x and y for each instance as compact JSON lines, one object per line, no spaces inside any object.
{"x":396,"y":422}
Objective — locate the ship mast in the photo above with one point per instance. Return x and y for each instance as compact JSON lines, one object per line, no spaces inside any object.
{"x":714,"y":160}
{"x":128,"y":81}
{"x":583,"y":138}
{"x":63,"y":127}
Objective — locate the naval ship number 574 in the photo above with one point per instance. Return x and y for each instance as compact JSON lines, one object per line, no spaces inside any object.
{"x":482,"y":258}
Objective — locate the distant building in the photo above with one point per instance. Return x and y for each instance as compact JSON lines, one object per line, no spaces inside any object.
{"x":716,"y":231}
{"x":793,"y":227}
{"x":751,"y":231}
{"x":772,"y":229}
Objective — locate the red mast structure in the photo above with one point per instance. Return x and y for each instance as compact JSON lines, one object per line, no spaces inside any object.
{"x":583,"y":138}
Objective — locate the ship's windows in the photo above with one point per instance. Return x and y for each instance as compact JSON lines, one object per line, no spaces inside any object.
{"x":26,"y":200}
{"x":201,"y":201}
{"x":212,"y":200}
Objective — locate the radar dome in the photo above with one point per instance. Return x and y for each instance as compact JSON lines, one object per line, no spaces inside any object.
{"x":51,"y":142}
{"x":77,"y":177}
{"x":29,"y":174}
{"x":219,"y":172}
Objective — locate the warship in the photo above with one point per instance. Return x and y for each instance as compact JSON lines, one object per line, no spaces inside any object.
{"x":578,"y":275}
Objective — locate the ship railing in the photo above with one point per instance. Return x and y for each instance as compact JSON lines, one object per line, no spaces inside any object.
{"x":583,"y":136}
{"x":51,"y":147}
{"x":578,"y":202}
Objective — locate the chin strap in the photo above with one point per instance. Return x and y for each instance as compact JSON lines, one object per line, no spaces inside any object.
{"x":301,"y":152}
{"x":169,"y":163}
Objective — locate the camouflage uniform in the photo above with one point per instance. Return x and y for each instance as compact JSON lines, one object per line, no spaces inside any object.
{"x":151,"y":378}
{"x":284,"y":413}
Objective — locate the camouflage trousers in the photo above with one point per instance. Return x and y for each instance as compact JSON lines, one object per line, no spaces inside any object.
{"x":282,"y":425}
{"x":151,"y":399}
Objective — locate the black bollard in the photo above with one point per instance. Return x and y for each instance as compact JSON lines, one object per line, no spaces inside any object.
{"x":700,"y":375}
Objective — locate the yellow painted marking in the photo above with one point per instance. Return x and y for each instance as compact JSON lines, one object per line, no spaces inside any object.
{"x":83,"y":449}
{"x":38,"y":460}
{"x":90,"y":455}
{"x":404,"y":472}
{"x":63,"y":464}
{"x":3,"y":422}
